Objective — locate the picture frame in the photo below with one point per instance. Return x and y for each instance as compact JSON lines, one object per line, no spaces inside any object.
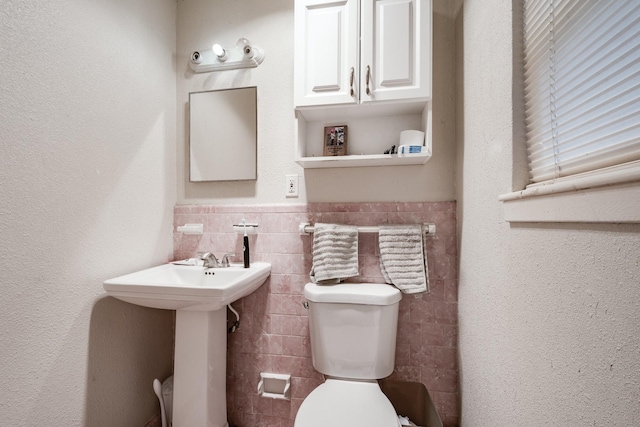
{"x":335,"y":141}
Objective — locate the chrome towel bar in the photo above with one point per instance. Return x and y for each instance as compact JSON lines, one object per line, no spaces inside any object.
{"x":306,"y":228}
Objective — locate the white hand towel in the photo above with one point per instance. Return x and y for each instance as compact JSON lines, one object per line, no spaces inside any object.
{"x":335,"y":253}
{"x":403,"y":261}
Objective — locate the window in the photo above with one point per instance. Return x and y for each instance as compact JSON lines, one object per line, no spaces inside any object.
{"x":582,"y":99}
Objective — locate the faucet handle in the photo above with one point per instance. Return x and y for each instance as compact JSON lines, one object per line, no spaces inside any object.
{"x":225,"y":259}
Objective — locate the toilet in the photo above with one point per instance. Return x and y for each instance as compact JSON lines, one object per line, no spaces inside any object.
{"x":353,"y":341}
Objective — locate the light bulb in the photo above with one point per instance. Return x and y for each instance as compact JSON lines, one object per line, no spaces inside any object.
{"x":219,"y":52}
{"x":245,"y":47}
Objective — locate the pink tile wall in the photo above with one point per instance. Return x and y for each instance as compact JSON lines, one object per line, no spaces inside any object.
{"x":274,"y":333}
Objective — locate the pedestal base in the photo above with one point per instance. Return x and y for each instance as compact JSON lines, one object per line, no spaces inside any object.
{"x":200,"y":369}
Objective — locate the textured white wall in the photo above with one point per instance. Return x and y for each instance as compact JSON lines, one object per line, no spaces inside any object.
{"x":549,"y":314}
{"x":270,"y":25}
{"x":87,"y":186}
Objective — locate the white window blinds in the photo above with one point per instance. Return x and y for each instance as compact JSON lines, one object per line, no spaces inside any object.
{"x":582,"y":85}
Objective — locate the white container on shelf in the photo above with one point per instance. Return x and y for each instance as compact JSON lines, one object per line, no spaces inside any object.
{"x":411,"y":137}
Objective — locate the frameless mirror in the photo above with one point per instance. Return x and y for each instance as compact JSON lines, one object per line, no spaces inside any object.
{"x":223,"y":135}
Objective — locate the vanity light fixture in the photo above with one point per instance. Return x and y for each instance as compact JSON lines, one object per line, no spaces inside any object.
{"x":242,"y":55}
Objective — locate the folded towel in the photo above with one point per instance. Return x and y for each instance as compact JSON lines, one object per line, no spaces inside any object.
{"x":402,"y":257}
{"x":335,"y":253}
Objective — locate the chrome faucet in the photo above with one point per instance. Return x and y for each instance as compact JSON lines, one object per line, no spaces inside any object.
{"x":210,"y":260}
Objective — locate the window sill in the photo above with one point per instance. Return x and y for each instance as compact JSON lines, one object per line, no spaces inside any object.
{"x":608,"y":196}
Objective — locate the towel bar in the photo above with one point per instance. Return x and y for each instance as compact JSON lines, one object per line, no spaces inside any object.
{"x":306,"y":228}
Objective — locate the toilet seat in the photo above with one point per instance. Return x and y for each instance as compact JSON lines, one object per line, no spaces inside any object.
{"x":347,"y":403}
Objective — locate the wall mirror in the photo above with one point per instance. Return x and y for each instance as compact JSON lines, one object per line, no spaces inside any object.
{"x":223,"y":135}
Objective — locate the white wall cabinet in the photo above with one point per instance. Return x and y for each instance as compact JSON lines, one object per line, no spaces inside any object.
{"x":365,"y":64}
{"x":350,"y":52}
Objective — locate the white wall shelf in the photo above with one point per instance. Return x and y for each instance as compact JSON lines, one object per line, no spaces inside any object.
{"x":362,"y":160}
{"x":372,"y":129}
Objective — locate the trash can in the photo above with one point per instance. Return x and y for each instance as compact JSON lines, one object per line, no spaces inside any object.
{"x":167,"y":396}
{"x":411,"y":399}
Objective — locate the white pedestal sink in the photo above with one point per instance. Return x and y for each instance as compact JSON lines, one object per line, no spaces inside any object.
{"x":200,"y":296}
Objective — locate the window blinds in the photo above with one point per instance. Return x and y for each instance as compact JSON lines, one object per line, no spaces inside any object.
{"x":582,"y":85}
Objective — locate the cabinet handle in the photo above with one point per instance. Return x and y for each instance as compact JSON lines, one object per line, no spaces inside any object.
{"x":368,"y":76}
{"x":352,"y":75}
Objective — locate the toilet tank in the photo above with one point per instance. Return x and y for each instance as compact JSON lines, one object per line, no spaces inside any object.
{"x":353,"y":329}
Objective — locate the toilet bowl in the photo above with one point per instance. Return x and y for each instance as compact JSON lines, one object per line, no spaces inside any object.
{"x":344,"y":403}
{"x":353,"y":338}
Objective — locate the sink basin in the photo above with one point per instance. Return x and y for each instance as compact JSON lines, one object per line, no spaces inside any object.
{"x":188,"y":287}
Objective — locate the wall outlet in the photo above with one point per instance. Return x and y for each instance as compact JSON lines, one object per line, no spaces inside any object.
{"x":291,"y":189}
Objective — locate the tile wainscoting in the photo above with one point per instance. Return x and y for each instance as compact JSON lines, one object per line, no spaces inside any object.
{"x":274,"y":333}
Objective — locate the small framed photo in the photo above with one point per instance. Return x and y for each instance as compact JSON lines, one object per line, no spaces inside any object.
{"x":335,"y":141}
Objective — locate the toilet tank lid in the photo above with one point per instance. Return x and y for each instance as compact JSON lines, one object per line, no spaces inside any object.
{"x":353,"y":293}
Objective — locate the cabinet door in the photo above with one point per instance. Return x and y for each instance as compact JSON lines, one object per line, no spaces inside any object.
{"x":326,"y":52}
{"x":396,"y":50}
